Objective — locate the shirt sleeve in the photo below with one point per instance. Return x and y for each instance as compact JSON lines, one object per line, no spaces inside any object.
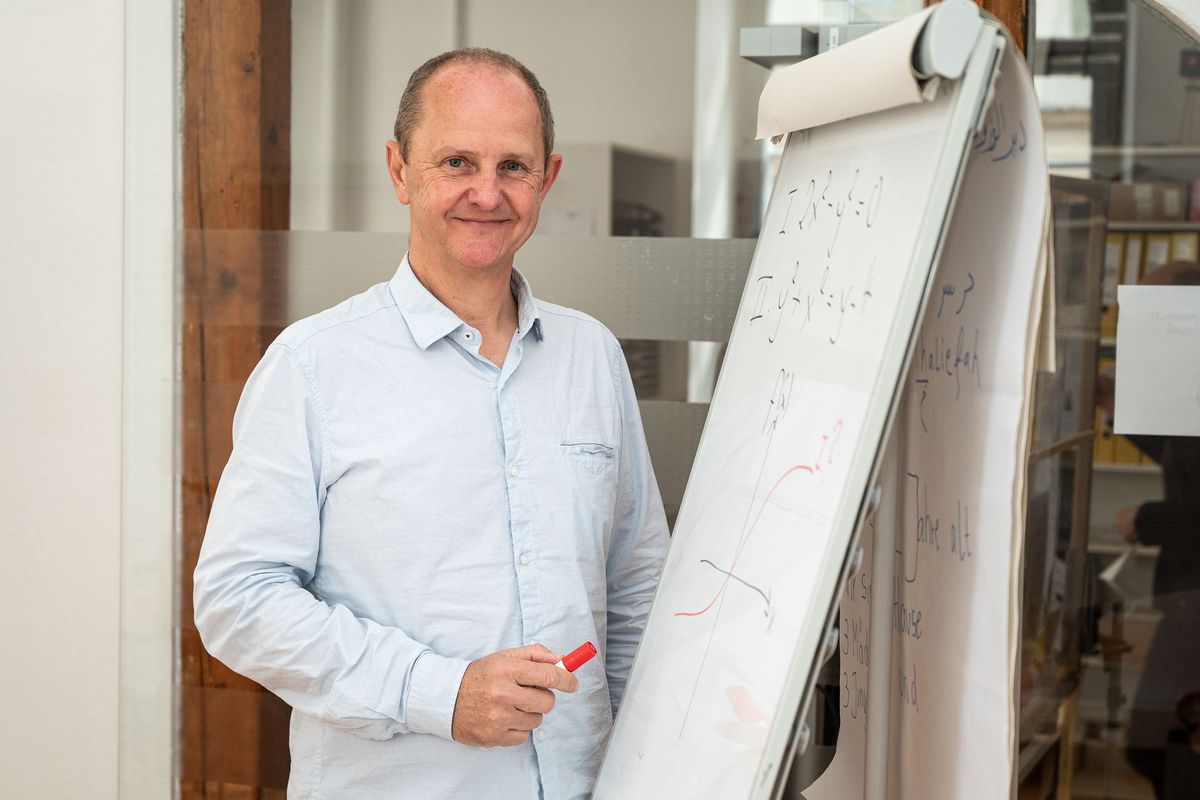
{"x":639,"y":541}
{"x":253,"y":611}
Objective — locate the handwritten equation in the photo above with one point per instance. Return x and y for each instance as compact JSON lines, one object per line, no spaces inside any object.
{"x":951,"y":358}
{"x":854,"y":636}
{"x":826,"y":287}
{"x":865,"y":206}
{"x":928,"y":530}
{"x":996,"y":140}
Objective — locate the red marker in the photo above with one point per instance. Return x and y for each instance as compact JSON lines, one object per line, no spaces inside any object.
{"x":581,"y":656}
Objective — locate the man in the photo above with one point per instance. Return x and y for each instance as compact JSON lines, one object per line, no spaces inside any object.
{"x":434,"y":478}
{"x":1172,"y":669}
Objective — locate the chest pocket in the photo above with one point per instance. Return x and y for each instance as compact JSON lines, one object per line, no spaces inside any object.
{"x":589,"y":455}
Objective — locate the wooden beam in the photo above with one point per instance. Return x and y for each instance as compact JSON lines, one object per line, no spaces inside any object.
{"x":1011,"y":13}
{"x":236,"y":172}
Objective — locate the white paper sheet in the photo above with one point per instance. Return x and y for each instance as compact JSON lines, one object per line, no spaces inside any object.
{"x":953,"y":716}
{"x":966,"y":469}
{"x":866,"y":75}
{"x":1158,"y":361}
{"x":773,"y":466}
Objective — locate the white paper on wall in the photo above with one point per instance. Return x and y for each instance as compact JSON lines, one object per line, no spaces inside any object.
{"x":1158,"y":361}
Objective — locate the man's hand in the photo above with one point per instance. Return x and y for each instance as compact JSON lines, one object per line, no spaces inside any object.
{"x":1126,"y":519}
{"x":503,"y":696}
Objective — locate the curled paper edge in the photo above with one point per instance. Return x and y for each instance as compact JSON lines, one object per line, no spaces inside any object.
{"x":869,"y":74}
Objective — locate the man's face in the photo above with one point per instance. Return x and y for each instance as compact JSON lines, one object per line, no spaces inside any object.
{"x":475,"y":176}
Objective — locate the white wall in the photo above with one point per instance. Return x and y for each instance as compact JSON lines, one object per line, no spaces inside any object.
{"x":618,"y":72}
{"x":350,"y":62}
{"x":61,"y":136}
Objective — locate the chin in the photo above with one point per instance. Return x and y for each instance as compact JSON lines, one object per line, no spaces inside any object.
{"x":480,"y":255}
{"x":484,"y":254}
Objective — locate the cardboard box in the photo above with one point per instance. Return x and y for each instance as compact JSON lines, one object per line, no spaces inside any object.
{"x":1148,"y":201}
{"x":1170,"y":201}
{"x":1120,"y":202}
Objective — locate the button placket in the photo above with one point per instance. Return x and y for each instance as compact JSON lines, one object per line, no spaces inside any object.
{"x":520,"y":521}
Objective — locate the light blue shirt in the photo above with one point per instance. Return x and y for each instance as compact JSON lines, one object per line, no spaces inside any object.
{"x":397,"y":506}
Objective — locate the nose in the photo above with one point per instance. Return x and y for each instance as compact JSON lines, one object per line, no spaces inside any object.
{"x":485,"y":192}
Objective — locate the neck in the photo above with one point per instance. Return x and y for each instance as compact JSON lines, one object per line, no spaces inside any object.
{"x":482,"y":298}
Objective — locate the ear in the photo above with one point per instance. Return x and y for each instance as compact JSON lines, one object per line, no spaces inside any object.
{"x":397,"y":169}
{"x":551,"y":174}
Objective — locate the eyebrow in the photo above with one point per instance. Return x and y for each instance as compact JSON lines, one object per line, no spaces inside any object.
{"x":449,"y":150}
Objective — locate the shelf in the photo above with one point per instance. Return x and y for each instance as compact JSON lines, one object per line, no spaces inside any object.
{"x":1138,"y":226}
{"x":1145,"y":550}
{"x":1120,"y":466}
{"x":1150,"y":150}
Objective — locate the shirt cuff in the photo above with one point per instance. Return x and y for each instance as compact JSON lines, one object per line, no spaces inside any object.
{"x":432,"y":693}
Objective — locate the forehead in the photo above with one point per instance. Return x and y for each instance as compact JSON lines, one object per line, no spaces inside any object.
{"x":479,"y":99}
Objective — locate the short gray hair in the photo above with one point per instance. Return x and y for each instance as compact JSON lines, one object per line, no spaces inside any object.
{"x":409,"y":115}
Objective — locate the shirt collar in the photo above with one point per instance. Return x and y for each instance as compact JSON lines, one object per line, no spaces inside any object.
{"x":527,"y":311}
{"x":430,"y":320}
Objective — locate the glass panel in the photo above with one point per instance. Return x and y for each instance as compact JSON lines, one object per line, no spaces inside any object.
{"x":1048,"y":519}
{"x":1119,"y":86}
{"x":1065,"y":388}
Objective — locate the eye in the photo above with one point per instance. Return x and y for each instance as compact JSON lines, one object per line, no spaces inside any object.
{"x":513,"y":166}
{"x":455,"y":163}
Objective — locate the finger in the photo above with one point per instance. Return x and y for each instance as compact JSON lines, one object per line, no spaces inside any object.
{"x":512,"y":738}
{"x":522,"y":721}
{"x":537,"y":653}
{"x":544,"y":656}
{"x":534,"y":701}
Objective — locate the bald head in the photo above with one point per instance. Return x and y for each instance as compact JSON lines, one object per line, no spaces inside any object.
{"x":412,"y":103}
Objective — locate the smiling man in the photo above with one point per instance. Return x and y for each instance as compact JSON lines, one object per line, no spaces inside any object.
{"x":439,"y":486}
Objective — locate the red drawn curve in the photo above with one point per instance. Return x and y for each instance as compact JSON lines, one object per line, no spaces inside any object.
{"x":766,"y":500}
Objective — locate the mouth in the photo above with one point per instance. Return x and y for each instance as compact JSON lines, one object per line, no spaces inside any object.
{"x":483,"y":224}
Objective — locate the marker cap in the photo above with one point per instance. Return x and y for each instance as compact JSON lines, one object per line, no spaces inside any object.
{"x":577,"y":659}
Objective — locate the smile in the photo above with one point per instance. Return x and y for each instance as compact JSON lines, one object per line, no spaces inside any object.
{"x":483,"y":222}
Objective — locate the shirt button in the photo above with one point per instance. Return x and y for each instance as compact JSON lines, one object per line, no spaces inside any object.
{"x":513,"y":470}
{"x":541,"y":735}
{"x":468,"y":336}
{"x":524,"y":558}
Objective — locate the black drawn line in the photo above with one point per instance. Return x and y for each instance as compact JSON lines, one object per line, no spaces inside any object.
{"x":964,"y":294}
{"x":744,"y":583}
